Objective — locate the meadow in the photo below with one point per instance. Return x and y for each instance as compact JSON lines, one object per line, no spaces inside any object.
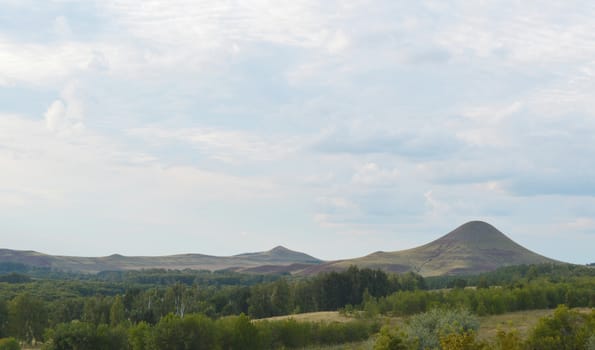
{"x":510,"y":308}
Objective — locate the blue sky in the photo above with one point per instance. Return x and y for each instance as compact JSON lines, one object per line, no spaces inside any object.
{"x":337,"y":128}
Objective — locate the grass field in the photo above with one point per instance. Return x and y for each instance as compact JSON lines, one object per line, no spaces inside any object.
{"x":522,"y":321}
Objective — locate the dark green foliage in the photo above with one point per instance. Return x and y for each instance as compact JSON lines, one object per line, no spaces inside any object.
{"x":426,"y":329}
{"x":461,"y":341}
{"x":326,"y":292}
{"x":238,"y":333}
{"x":139,"y":336}
{"x":66,"y":310}
{"x":511,"y":275}
{"x":164,"y":277}
{"x":9,"y":344}
{"x":3,"y":319}
{"x":507,"y":341}
{"x":193,"y":332}
{"x":15,"y":278}
{"x":564,"y":330}
{"x":537,"y":294}
{"x":87,"y":336}
{"x":138,"y":312}
{"x":97,"y":310}
{"x":27,"y":317}
{"x":290,"y":333}
{"x":391,"y":338}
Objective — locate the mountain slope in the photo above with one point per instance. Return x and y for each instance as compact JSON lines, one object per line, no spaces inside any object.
{"x":278,"y":257}
{"x":471,"y":248}
{"x":279,"y":254}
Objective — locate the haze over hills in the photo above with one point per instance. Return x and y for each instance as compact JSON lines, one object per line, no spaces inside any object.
{"x":279,"y":257}
{"x":471,"y":248}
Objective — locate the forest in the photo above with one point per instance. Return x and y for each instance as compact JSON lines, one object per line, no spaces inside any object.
{"x":164,"y":309}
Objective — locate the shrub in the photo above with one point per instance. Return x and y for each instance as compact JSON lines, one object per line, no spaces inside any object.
{"x":427,"y":328}
{"x":390,"y":339}
{"x":461,"y":341}
{"x":82,"y":335}
{"x":566,"y":329}
{"x":9,"y":344}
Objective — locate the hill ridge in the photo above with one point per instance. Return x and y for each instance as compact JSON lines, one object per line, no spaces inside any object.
{"x":278,"y":259}
{"x":474,"y":247}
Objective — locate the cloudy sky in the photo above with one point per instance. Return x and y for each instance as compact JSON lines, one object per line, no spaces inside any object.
{"x":337,"y":128}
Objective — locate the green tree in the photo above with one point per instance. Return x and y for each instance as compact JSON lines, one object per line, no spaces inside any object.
{"x":461,"y":341}
{"x":427,"y":328}
{"x":9,"y":344}
{"x":280,"y":298}
{"x":117,"y":314}
{"x":96,"y":310}
{"x":390,"y":339}
{"x":27,"y":317}
{"x":507,"y":341}
{"x":87,"y":336}
{"x":193,"y":332}
{"x":237,"y":333}
{"x":3,"y":319}
{"x":565,"y":330}
{"x":139,"y":336}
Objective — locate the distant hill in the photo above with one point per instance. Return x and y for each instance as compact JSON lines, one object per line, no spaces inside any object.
{"x":472,"y":248}
{"x":278,"y":259}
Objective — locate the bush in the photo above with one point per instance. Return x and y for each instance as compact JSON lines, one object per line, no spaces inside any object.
{"x":461,"y":341}
{"x":507,"y":341}
{"x":390,"y":339}
{"x":427,"y":328}
{"x":82,"y":335}
{"x":293,"y":334}
{"x":237,"y":333}
{"x":9,"y":344}
{"x":566,"y":329}
{"x":193,"y":332}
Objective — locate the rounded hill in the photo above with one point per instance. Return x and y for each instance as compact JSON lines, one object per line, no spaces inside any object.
{"x":471,"y":248}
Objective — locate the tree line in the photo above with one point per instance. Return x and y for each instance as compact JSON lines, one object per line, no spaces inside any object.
{"x":29,"y":307}
{"x":530,"y":295}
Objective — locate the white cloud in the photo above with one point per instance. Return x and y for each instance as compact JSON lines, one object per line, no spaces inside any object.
{"x":370,"y":174}
{"x":213,"y":24}
{"x":521,"y":32}
{"x":66,"y":114}
{"x":230,"y":146}
{"x":489,"y":105}
{"x":86,"y":166}
{"x":582,"y":223}
{"x":39,"y":64}
{"x":61,"y":27}
{"x":437,"y":207}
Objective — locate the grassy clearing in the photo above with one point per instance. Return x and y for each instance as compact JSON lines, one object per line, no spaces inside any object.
{"x":365,"y":345}
{"x":323,"y":316}
{"x":522,"y":321}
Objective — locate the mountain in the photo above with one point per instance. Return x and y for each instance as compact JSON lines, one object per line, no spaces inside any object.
{"x":471,"y":248}
{"x":278,"y":259}
{"x":279,"y":254}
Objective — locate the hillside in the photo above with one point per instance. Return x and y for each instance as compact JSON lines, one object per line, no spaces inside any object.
{"x":278,"y":259}
{"x":471,"y":248}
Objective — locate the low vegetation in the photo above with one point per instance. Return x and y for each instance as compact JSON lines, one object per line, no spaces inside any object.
{"x":169,"y":310}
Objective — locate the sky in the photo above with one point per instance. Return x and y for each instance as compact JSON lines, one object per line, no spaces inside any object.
{"x":336,"y":128}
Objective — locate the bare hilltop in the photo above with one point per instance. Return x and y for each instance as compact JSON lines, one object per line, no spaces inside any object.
{"x":473,"y":247}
